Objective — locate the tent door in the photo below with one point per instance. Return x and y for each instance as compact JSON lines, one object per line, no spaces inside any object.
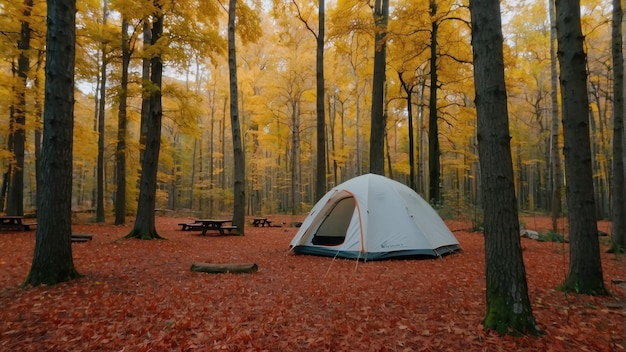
{"x":332,"y":230}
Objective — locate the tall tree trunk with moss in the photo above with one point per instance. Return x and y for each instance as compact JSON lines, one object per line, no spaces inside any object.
{"x":15,"y":195}
{"x":585,"y":268}
{"x":239,"y":202}
{"x":619,"y":183}
{"x":145,"y":228}
{"x":377,"y":132}
{"x":555,"y":155}
{"x":52,"y":260}
{"x":120,"y":150}
{"x":508,"y":305}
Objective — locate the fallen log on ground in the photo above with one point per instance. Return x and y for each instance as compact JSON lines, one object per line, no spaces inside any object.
{"x":81,"y":237}
{"x":210,"y":268}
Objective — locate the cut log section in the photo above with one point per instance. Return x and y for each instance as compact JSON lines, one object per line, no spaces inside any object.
{"x":210,"y":268}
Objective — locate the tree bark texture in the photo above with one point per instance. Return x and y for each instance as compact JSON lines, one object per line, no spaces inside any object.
{"x":101,"y":126}
{"x":585,"y":269}
{"x":147,"y":88}
{"x":619,"y":183}
{"x":38,"y":120}
{"x":52,"y":260}
{"x":408,"y":89}
{"x":377,"y":132}
{"x":239,"y":200}
{"x":120,"y":150}
{"x":296,"y":195}
{"x":555,"y":151}
{"x":145,"y":228}
{"x":508,"y":305}
{"x":434,"y":191}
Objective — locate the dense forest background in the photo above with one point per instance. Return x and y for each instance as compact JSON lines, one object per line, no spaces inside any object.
{"x":276,"y":51}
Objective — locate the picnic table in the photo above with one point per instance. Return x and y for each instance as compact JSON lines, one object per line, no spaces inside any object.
{"x":14,"y":222}
{"x":215,"y":225}
{"x":256,"y":222}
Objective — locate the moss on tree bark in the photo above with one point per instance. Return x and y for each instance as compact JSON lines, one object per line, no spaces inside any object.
{"x":509,"y":318}
{"x":577,"y":284}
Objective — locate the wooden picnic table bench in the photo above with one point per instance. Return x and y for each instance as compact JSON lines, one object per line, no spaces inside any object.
{"x":190,"y":226}
{"x":14,"y":222}
{"x":256,"y":222}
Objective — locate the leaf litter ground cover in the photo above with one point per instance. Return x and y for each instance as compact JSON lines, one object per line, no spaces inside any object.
{"x":142,"y":296}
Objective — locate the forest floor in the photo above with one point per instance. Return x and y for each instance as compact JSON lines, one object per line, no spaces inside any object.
{"x":142,"y":296}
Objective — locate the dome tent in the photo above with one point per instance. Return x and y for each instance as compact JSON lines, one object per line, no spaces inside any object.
{"x":372,"y":217}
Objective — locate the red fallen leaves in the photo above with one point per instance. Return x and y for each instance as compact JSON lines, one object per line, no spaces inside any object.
{"x":142,"y":296}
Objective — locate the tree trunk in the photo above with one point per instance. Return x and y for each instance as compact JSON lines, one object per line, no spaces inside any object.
{"x":377,"y":132}
{"x":332,"y":149}
{"x":594,"y":152}
{"x":585,"y":269}
{"x":52,"y":260}
{"x":146,"y":86}
{"x":508,"y":305}
{"x":175,"y":182}
{"x":619,"y":183}
{"x":239,"y":199}
{"x":210,"y":151}
{"x":555,"y":151}
{"x":343,"y":166}
{"x":222,"y":160}
{"x":120,"y":152}
{"x":408,"y":89}
{"x":320,"y":181}
{"x":434,"y":191}
{"x":101,"y":125}
{"x":421,"y":138}
{"x":196,"y":162}
{"x":145,"y":228}
{"x":296,"y":196}
{"x":96,"y":109}
{"x":15,"y":196}
{"x":386,"y":135}
{"x":357,"y":135}
{"x":38,"y":121}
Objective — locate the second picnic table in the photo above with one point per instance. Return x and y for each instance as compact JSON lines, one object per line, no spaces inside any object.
{"x":215,"y":224}
{"x":256,"y":222}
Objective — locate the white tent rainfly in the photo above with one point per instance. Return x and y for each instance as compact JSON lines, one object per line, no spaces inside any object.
{"x":372,"y":217}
